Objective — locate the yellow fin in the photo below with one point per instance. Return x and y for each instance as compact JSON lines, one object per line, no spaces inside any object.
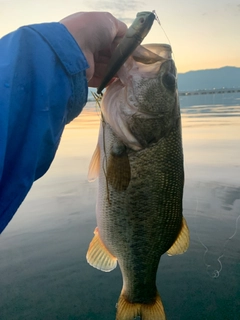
{"x":129,"y":311}
{"x":94,"y":166}
{"x":119,"y":171}
{"x":98,"y":255}
{"x":182,"y":243}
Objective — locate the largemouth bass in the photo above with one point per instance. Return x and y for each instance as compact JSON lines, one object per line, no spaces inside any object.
{"x":139,"y":160}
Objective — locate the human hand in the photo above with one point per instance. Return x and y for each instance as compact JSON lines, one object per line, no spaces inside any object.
{"x":97,"y":34}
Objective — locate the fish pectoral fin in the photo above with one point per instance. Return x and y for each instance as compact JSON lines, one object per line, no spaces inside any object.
{"x":98,"y":255}
{"x":129,"y":311}
{"x":182,"y":243}
{"x":94,"y":166}
{"x":119,"y":171}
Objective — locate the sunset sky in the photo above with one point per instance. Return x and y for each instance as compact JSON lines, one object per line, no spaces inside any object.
{"x":203,"y":34}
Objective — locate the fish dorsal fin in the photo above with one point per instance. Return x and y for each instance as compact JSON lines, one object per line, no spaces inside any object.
{"x":182,"y":242}
{"x":94,"y":166}
{"x":118,"y":170}
{"x":98,"y":255}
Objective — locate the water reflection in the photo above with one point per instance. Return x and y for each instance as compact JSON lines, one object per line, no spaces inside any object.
{"x":43,"y":270}
{"x":228,"y":196}
{"x":211,"y":100}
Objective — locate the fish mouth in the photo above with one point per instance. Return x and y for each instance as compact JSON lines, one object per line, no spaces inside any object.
{"x":149,"y":61}
{"x":163,"y":50}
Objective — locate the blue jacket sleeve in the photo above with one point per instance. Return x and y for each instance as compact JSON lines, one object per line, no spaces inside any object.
{"x":43,"y":86}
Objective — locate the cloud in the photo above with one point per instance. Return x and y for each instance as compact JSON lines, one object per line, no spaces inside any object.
{"x":121,"y":6}
{"x":232,"y":7}
{"x":124,"y":10}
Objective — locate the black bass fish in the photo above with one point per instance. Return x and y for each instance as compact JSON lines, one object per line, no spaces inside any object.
{"x":139,"y":160}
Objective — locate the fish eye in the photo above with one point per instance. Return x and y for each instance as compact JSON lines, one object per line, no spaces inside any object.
{"x":169,"y":81}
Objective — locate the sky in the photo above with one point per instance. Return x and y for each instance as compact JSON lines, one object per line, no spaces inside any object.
{"x":204,"y":34}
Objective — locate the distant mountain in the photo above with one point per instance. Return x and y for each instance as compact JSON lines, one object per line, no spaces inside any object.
{"x":227,"y":77}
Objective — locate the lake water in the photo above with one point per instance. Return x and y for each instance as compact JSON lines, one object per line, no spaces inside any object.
{"x":43,"y":271}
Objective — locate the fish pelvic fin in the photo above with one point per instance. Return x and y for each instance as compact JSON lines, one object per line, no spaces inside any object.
{"x":94,"y":166}
{"x":98,"y":255}
{"x":182,"y":242}
{"x":129,"y":311}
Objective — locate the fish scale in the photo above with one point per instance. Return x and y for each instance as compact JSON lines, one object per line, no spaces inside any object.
{"x":151,"y":190}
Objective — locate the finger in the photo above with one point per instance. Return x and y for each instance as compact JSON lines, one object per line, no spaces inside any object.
{"x":102,"y":56}
{"x":94,"y":82}
{"x":99,"y":73}
{"x":100,"y":69}
{"x":121,"y":28}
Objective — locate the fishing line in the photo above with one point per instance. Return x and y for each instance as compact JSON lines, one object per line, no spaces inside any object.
{"x":97,"y":98}
{"x":233,"y":235}
{"x":229,"y":239}
{"x":158,"y":20}
{"x":216,"y":272}
{"x":208,"y":266}
{"x":105,"y":159}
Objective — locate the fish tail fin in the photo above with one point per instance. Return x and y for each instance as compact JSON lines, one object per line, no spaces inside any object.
{"x":129,"y":311}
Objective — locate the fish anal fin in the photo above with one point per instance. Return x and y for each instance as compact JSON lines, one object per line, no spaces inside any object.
{"x":119,"y":171}
{"x":182,"y":242}
{"x":94,"y":166}
{"x":129,"y":311}
{"x":98,"y":255}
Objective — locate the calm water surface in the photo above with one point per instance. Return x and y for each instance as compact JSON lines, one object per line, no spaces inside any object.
{"x":43,"y":271}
